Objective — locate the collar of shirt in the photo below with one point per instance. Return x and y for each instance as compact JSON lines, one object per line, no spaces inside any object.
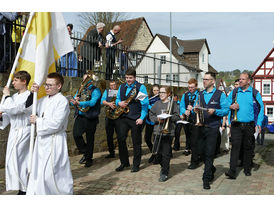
{"x":130,"y":86}
{"x":112,"y":32}
{"x":249,"y":89}
{"x":213,"y":90}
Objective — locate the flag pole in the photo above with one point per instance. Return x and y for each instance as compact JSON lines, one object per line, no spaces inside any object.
{"x":18,"y":55}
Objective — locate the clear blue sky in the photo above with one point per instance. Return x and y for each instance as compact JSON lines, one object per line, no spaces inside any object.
{"x":237,"y":40}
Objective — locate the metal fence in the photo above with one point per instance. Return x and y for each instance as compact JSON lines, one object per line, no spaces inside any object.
{"x":108,"y":63}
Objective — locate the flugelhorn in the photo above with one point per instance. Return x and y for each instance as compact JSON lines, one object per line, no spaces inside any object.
{"x":199,"y":114}
{"x":235,"y":118}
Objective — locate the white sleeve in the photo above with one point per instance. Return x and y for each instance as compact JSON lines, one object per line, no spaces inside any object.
{"x":47,"y":126}
{"x":11,"y":107}
{"x":5,"y":121}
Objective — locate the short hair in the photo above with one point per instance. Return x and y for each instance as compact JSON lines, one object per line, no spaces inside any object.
{"x":212,"y":75}
{"x":193,"y":81}
{"x":70,"y":26}
{"x":23,"y":76}
{"x":248,"y":75}
{"x":167,"y":88}
{"x":100,"y":25}
{"x":237,"y":80}
{"x":112,"y":80}
{"x":131,"y":71}
{"x":58,"y":77}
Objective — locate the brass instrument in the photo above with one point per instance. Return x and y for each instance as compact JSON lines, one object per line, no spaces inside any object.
{"x":83,"y":93}
{"x":163,"y":130}
{"x":118,"y":111}
{"x":235,"y":119}
{"x":185,"y":117}
{"x":110,"y":113}
{"x":199,"y":114}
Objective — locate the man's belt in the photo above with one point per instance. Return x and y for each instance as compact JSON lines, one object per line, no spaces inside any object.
{"x":243,"y":124}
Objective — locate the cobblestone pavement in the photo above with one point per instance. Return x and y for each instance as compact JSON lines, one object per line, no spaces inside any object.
{"x":101,"y":177}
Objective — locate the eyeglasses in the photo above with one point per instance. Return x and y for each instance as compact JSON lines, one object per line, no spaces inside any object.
{"x":207,"y":79}
{"x":48,"y":85}
{"x":162,"y":92}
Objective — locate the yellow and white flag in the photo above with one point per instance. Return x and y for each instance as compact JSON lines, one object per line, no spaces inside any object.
{"x":46,"y":40}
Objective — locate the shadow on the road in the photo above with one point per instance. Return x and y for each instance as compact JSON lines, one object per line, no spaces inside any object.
{"x":177,"y":168}
{"x":98,"y":186}
{"x":266,"y":151}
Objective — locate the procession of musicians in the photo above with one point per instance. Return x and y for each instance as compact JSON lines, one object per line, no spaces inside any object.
{"x":158,"y":114}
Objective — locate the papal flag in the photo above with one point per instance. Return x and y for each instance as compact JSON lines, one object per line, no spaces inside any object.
{"x":46,"y":40}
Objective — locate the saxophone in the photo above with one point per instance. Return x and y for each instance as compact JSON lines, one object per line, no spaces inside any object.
{"x":118,"y":111}
{"x":110,"y":113}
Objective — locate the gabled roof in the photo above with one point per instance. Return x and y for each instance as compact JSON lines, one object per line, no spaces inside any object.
{"x":265,"y":59}
{"x":190,"y":46}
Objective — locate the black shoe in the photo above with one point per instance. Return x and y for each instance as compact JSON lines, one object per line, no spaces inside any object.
{"x":230,"y":174}
{"x":248,"y":173}
{"x":156,"y":160}
{"x":206,"y":185}
{"x":21,"y":193}
{"x":83,"y":160}
{"x":151,"y":159}
{"x":135,"y":169}
{"x":163,"y":178}
{"x":193,"y":166}
{"x":88,"y":163}
{"x":110,"y":156}
{"x":121,"y":167}
{"x":176,"y":148}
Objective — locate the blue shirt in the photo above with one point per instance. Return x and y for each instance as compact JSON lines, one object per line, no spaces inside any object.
{"x":95,"y":96}
{"x":246,"y":109}
{"x":182,"y":103}
{"x":144,"y":103}
{"x":223,"y":103}
{"x":104,"y":97}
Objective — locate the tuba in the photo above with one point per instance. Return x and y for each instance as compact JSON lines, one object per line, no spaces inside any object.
{"x":199,"y":114}
{"x":83,"y":93}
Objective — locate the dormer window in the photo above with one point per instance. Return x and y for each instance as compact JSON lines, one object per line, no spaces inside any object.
{"x":203,"y":58}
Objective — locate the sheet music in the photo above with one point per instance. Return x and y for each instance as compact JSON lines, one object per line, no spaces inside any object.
{"x":182,"y":122}
{"x":112,"y":93}
{"x":164,"y":116}
{"x":141,"y":96}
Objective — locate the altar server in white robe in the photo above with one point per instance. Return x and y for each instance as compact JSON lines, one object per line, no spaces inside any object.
{"x":51,"y":173}
{"x":14,"y":112}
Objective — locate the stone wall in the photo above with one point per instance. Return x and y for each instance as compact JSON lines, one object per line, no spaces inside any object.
{"x":70,"y":87}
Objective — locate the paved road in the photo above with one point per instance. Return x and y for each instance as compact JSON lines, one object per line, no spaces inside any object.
{"x":101,"y":177}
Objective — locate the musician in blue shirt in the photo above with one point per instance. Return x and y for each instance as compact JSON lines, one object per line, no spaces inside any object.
{"x":132,"y":120}
{"x":86,"y":121}
{"x":154,"y":97}
{"x":211,"y":106}
{"x":243,"y":127}
{"x":186,"y":105}
{"x":108,"y":101}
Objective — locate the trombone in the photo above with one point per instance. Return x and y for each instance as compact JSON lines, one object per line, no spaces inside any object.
{"x":163,"y":130}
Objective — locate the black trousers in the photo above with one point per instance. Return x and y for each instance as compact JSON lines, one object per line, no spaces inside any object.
{"x":165,"y":153}
{"x":188,"y":130}
{"x":178,"y":128}
{"x":148,"y":135}
{"x":242,"y":134}
{"x":126,"y":124}
{"x":195,"y":145}
{"x":84,"y":125}
{"x":110,"y":61}
{"x":208,"y":141}
{"x":110,"y":127}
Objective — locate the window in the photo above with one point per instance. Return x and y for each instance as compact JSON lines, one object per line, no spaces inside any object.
{"x":163,"y":59}
{"x":175,"y":77}
{"x":266,"y":88}
{"x":269,"y":112}
{"x":203,"y":58}
{"x":146,"y":79}
{"x":168,"y":78}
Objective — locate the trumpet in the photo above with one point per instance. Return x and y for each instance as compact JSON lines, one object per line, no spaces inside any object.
{"x":163,"y":130}
{"x":199,"y":114}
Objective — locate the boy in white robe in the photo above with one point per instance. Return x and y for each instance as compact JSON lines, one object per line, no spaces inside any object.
{"x":14,"y":112}
{"x":51,"y":173}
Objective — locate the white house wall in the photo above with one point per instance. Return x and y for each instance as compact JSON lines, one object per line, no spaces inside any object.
{"x":157,"y":46}
{"x":258,"y":86}
{"x":203,"y":65}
